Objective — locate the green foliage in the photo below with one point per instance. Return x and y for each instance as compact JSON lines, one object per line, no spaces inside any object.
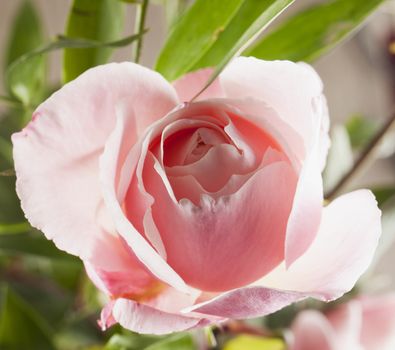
{"x":183,"y":341}
{"x":214,"y":38}
{"x":21,"y":327}
{"x":313,"y":32}
{"x":100,"y":20}
{"x":361,"y":130}
{"x":26,"y":84}
{"x":249,"y":342}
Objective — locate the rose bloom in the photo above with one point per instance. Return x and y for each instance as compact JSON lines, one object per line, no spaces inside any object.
{"x":365,"y":323}
{"x":187,"y":213}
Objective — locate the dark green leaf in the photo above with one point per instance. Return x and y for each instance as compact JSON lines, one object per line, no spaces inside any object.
{"x":26,"y":35}
{"x":21,"y":327}
{"x":33,"y":244}
{"x":311,"y":33}
{"x":194,"y":34}
{"x":100,"y":20}
{"x":250,"y":19}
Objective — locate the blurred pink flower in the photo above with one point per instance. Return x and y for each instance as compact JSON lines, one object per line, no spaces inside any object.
{"x":365,"y":323}
{"x":191,"y":213}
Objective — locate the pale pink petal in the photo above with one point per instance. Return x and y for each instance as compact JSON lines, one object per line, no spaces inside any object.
{"x":346,"y":320}
{"x":378,"y":327}
{"x":308,"y":202}
{"x":106,"y":318}
{"x":192,"y":83}
{"x":147,"y":320}
{"x":246,"y":303}
{"x":312,"y":331}
{"x":56,"y":155}
{"x":111,"y":163}
{"x":293,"y":90}
{"x":341,"y":252}
{"x":246,"y":230}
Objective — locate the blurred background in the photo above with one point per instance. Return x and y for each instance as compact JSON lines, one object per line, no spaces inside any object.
{"x":359,"y":80}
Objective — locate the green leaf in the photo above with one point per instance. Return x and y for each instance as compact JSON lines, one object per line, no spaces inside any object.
{"x":383,"y":194}
{"x":33,"y":244}
{"x":183,"y":341}
{"x":26,"y":32}
{"x":361,"y":130}
{"x":311,"y":33}
{"x":99,"y":20}
{"x":251,"y":17}
{"x":211,"y":32}
{"x":21,"y":327}
{"x":194,"y":34}
{"x":26,"y":35}
{"x":250,"y":342}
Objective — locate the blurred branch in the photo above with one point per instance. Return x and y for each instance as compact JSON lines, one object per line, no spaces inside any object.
{"x":141,"y":13}
{"x":8,"y":172}
{"x":10,"y":101}
{"x":363,"y":161}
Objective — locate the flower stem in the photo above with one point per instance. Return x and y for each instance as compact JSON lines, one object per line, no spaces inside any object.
{"x":141,"y":12}
{"x":365,"y":158}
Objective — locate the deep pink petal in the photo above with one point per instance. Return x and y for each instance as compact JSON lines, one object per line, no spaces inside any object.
{"x":56,"y":155}
{"x":341,"y":252}
{"x":246,"y":229}
{"x":191,"y":83}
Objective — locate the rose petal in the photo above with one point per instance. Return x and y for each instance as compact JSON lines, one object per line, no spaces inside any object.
{"x":293,"y":90}
{"x":111,"y":164}
{"x":378,"y":322}
{"x":312,"y":331}
{"x":191,"y":83}
{"x":246,"y":303}
{"x":147,"y":320}
{"x":56,"y":155}
{"x":341,"y":252}
{"x":246,"y":228}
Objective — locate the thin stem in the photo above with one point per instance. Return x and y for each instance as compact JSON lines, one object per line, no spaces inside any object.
{"x":141,"y":12}
{"x":364,"y":159}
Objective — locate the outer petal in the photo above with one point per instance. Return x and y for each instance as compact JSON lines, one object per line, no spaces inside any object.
{"x":290,"y":89}
{"x":312,"y":331}
{"x":191,"y":84}
{"x":56,"y":155}
{"x":247,"y":302}
{"x":145,"y":319}
{"x":378,"y":326}
{"x":341,"y":252}
{"x":111,"y":164}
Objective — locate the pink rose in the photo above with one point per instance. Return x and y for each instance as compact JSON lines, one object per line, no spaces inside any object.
{"x":187,"y":213}
{"x":366,"y":323}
